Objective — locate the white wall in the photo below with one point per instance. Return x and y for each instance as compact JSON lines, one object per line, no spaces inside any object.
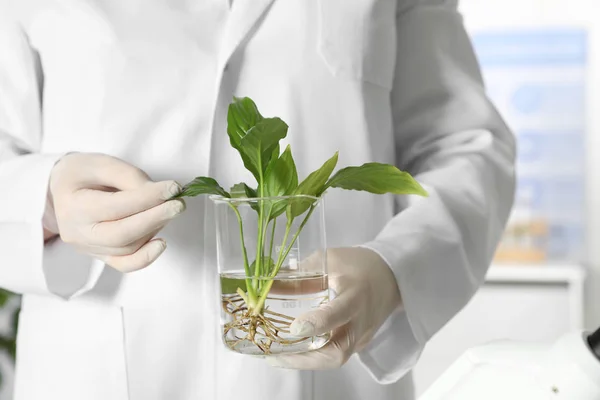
{"x":489,"y":14}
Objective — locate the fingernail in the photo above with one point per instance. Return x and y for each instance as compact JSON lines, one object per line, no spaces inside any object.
{"x":158,"y":246}
{"x":174,"y":189}
{"x":302,"y":328}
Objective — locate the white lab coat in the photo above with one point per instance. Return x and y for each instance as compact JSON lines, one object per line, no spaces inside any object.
{"x":149,"y":81}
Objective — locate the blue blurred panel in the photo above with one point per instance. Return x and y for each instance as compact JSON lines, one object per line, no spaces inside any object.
{"x":558,"y":198}
{"x":537,"y":77}
{"x":558,"y":153}
{"x":566,"y":241}
{"x":546,"y":97}
{"x":552,"y":47}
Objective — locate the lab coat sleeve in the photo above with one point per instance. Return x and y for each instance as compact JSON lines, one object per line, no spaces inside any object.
{"x":26,"y":265}
{"x":451,"y":138}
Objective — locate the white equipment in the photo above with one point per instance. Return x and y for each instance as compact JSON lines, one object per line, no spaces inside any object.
{"x":567,"y":369}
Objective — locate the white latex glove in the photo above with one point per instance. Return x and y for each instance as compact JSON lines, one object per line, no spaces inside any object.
{"x":110,"y":209}
{"x":367,"y":293}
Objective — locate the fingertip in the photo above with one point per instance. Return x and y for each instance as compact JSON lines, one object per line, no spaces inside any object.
{"x":176,"y":207}
{"x":141,"y":259}
{"x":153,"y":249}
{"x":171,"y":189}
{"x":326,"y":318}
{"x":159,"y":245}
{"x":302,"y":328}
{"x":183,"y":204}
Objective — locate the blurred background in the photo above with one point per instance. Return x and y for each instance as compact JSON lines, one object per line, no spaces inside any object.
{"x":541,"y":65}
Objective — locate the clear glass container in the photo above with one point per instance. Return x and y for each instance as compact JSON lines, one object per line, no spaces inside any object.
{"x":261,"y":296}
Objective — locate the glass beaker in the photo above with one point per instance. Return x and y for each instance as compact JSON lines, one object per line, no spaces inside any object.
{"x":271,"y":255}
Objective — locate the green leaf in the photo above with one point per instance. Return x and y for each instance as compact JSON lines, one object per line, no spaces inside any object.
{"x":8,"y":341}
{"x":275,"y":155}
{"x":297,"y":206}
{"x":281,"y":177}
{"x":259,"y":144}
{"x":279,"y":207}
{"x":376,"y":178}
{"x":241,"y":190}
{"x":242,"y":115}
{"x":202,"y":185}
{"x":313,"y":185}
{"x":15,"y":321}
{"x":231,"y":285}
{"x":4,"y":297}
{"x":274,"y":158}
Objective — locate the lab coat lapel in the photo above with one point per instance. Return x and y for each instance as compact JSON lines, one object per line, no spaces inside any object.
{"x":244,"y":16}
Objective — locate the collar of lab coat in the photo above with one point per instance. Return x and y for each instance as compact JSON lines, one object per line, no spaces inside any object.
{"x":245,"y":14}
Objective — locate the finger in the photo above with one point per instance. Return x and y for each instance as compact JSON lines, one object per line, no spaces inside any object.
{"x":313,"y":263}
{"x":333,"y":355}
{"x":128,"y":230}
{"x":142,"y":258}
{"x":96,"y":170}
{"x":327,"y":317}
{"x":110,"y":206}
{"x":117,"y":251}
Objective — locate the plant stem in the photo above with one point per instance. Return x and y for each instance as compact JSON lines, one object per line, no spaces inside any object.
{"x":251,"y":292}
{"x":258,"y":260}
{"x":262,"y":295}
{"x":287,"y":251}
{"x":243,"y":296}
{"x":288,"y":227}
{"x":271,"y":245}
{"x":259,"y":241}
{"x":263,"y":271}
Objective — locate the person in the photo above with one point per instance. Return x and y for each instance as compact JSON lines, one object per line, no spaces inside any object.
{"x":107,"y":107}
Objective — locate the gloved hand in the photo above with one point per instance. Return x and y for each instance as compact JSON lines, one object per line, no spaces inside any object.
{"x":366,"y":295}
{"x":110,"y":209}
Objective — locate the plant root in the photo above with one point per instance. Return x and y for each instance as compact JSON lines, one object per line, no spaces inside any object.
{"x":263,"y":330}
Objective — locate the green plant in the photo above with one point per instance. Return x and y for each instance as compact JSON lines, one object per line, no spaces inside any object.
{"x":8,"y":342}
{"x":279,"y":191}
